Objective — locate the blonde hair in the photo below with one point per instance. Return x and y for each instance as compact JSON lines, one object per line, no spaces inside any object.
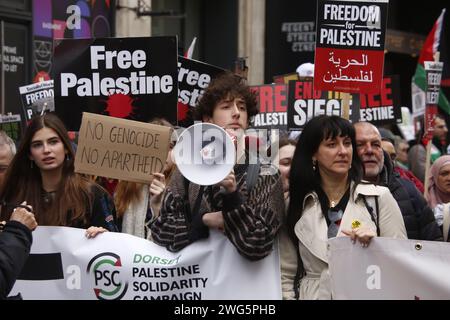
{"x":128,"y":192}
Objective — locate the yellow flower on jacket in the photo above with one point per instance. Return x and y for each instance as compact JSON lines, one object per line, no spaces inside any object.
{"x":356,"y":224}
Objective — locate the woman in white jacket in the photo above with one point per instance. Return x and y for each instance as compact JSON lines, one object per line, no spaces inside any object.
{"x":328,"y":199}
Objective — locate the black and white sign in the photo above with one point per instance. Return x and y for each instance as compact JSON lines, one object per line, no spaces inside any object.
{"x":35,"y":96}
{"x":132,"y":78}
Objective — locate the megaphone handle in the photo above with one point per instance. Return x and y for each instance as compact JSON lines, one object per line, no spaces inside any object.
{"x":197,"y":203}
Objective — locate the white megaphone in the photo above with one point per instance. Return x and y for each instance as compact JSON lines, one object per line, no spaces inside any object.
{"x":204,"y":154}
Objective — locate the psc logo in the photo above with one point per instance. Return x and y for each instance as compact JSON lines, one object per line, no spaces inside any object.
{"x":106,"y":268}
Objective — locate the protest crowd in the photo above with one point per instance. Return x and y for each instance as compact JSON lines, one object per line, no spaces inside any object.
{"x":329,"y":164}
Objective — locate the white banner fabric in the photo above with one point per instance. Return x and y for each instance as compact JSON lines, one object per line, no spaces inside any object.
{"x":390,"y":269}
{"x":120,"y":266}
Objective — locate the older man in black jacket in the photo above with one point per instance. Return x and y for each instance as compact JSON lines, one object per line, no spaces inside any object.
{"x":418,"y":217}
{"x":15,"y":244}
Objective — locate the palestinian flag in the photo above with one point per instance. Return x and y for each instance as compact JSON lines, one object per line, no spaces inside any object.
{"x":430,"y":47}
{"x":190,"y":52}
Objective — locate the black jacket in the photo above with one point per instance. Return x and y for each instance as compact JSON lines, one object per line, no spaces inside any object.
{"x":418,"y":217}
{"x":15,"y":244}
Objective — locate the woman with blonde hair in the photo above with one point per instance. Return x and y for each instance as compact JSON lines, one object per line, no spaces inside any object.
{"x":138,"y":204}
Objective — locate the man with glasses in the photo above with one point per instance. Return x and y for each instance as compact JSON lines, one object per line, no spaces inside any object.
{"x":378,"y":168}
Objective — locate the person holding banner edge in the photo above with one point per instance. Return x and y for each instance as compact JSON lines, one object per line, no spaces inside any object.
{"x":15,"y":244}
{"x":42,"y":173}
{"x":248,"y":218}
{"x":328,"y":200}
{"x":138,"y":204}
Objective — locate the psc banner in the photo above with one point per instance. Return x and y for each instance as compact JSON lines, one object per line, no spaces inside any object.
{"x":349,"y":54}
{"x":389,"y":269}
{"x":131,"y":78}
{"x":116,"y":266}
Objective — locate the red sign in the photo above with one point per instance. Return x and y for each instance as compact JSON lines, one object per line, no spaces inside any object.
{"x":272,"y":103}
{"x":356,"y":71}
{"x":350,"y":45}
{"x":383,"y":107}
{"x":433,"y":71}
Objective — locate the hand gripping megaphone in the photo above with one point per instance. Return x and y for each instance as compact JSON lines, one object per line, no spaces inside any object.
{"x":204,"y":154}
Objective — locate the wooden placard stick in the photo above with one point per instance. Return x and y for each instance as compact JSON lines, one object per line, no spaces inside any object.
{"x":345,"y":105}
{"x":428,"y":156}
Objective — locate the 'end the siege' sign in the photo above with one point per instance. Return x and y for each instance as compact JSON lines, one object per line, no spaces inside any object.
{"x":305,"y":102}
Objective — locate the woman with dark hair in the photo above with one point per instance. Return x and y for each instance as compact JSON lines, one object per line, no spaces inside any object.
{"x":42,"y":174}
{"x":329,"y":200}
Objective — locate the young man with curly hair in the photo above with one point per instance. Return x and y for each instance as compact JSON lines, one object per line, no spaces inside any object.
{"x":247,"y":213}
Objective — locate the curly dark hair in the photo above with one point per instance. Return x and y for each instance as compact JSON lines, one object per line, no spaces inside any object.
{"x":227,"y":85}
